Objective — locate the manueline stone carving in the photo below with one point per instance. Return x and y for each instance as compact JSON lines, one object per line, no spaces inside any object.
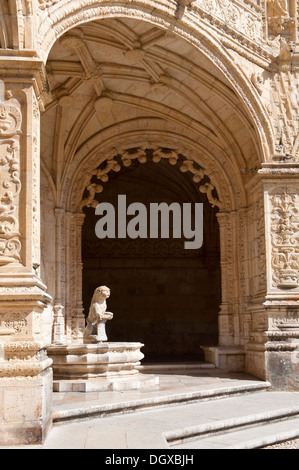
{"x":10,"y":184}
{"x":235,"y":14}
{"x":140,"y":154}
{"x":285,"y":112}
{"x":46,"y":3}
{"x":284,"y":235}
{"x":95,"y":331}
{"x":278,"y":7}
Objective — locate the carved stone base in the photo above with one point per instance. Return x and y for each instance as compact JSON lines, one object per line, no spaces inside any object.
{"x":25,"y":409}
{"x":102,"y":366}
{"x":230,"y":358}
{"x":26,"y":376}
{"x":282,"y":358}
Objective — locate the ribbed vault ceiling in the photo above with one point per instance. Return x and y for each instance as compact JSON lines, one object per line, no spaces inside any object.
{"x":110,"y":72}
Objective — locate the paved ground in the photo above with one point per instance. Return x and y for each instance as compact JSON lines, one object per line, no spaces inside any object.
{"x":147,"y":429}
{"x":173,"y":383}
{"x":110,"y":420}
{"x":150,"y":429}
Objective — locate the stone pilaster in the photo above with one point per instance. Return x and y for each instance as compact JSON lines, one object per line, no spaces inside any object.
{"x":281,"y":187}
{"x":25,"y":372}
{"x":75,"y":321}
{"x":229,"y":353}
{"x":255,"y":321}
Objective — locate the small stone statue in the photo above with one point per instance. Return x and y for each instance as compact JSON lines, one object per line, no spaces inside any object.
{"x":95,"y":330}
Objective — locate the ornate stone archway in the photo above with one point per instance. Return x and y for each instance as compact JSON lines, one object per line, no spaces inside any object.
{"x":217,"y":83}
{"x":69,"y":224}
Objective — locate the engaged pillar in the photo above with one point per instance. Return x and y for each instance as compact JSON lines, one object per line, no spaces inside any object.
{"x":25,"y":372}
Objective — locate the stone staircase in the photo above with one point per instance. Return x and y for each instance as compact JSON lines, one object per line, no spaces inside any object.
{"x":195,"y":407}
{"x":250,"y":431}
{"x":159,"y":398}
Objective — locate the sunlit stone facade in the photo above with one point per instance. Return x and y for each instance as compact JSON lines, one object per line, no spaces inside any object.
{"x":194,"y":101}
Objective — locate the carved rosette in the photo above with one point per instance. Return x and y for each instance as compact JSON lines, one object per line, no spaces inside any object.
{"x":284,"y":236}
{"x":10,"y":184}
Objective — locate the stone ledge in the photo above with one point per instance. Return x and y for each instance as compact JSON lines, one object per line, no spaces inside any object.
{"x":134,"y":382}
{"x":95,"y":361}
{"x":229,"y":358}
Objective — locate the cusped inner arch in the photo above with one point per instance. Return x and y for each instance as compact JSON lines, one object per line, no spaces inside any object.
{"x":163,"y":294}
{"x":142,"y":155}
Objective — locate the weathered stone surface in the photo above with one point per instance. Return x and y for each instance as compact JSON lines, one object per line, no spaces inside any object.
{"x":95,"y":360}
{"x":90,"y":91}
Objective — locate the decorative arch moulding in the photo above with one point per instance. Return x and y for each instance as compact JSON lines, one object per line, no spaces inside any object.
{"x":284,"y":232}
{"x":195,"y":28}
{"x":143,"y":155}
{"x":231,"y":20}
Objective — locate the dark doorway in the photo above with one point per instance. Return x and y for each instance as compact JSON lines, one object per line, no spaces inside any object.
{"x":162,"y":294}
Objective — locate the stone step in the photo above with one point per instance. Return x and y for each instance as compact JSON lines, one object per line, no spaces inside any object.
{"x":153,"y":401}
{"x":175,"y":367}
{"x":247,"y":431}
{"x":256,"y":436}
{"x":245,"y":420}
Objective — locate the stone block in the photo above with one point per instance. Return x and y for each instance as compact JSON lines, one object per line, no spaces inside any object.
{"x":25,"y":409}
{"x":230,"y":358}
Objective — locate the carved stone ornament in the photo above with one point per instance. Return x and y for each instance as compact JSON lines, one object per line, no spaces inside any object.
{"x":95,"y":331}
{"x":58,"y":324}
{"x":143,"y":156}
{"x":278,"y":7}
{"x":46,"y":3}
{"x":10,"y":120}
{"x":285,"y":323}
{"x":16,"y":321}
{"x":10,"y":184}
{"x":285,"y":236}
{"x":285,"y":114}
{"x":234,"y":14}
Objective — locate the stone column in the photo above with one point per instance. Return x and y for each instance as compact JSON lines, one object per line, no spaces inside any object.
{"x":75,"y":321}
{"x":256,"y":278}
{"x":225,"y":322}
{"x":281,"y":188}
{"x":25,"y":372}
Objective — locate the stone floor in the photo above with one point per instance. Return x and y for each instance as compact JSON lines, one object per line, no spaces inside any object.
{"x":112,"y":420}
{"x":187,"y":397}
{"x":193,"y":381}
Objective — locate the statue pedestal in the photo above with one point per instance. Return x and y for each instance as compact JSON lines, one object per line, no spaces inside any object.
{"x":98,"y":367}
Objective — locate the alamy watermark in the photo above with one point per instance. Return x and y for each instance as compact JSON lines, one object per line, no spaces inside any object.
{"x":154,"y":224}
